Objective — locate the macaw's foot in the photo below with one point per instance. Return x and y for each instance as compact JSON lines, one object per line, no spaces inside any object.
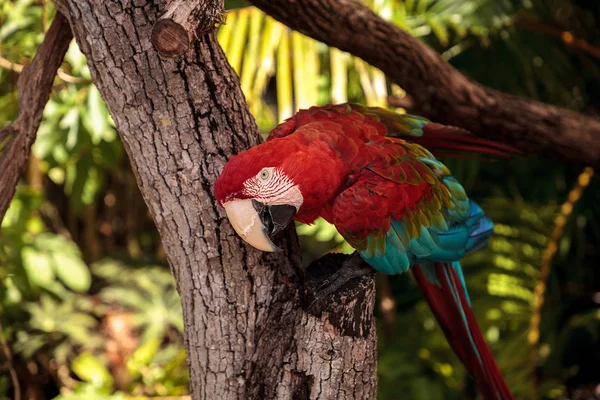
{"x":353,"y":267}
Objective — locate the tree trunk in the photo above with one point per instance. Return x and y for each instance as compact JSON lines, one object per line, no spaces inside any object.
{"x":246,"y":334}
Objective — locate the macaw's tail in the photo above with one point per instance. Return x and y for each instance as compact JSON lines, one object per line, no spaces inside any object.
{"x":442,"y":284}
{"x":453,"y":142}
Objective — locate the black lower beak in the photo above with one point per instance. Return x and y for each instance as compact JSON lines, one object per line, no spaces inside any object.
{"x":274,"y":218}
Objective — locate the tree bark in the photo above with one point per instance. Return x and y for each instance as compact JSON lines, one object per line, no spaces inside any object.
{"x":439,"y":91}
{"x":246,"y":334}
{"x":35,"y":84}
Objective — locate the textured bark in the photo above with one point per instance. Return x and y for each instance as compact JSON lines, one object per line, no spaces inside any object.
{"x":35,"y":84}
{"x":246,"y":334}
{"x":440,"y":92}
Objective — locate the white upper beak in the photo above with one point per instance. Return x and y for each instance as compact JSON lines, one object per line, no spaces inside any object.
{"x":246,"y":221}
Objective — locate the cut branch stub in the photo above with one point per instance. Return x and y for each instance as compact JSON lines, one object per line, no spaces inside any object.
{"x":182,"y":22}
{"x":169,"y":38}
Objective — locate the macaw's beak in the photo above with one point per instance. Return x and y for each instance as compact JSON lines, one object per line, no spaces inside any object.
{"x":256,"y":222}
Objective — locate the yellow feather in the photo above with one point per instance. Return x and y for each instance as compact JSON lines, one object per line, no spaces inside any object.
{"x":434,"y":202}
{"x":411,"y":228}
{"x":438,"y":220}
{"x":423,"y":218}
{"x":380,"y":243}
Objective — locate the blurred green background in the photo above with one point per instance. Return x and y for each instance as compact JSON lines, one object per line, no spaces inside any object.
{"x":88,"y":308}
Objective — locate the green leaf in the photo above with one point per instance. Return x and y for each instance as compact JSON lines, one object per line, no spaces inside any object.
{"x":77,"y":61}
{"x":82,"y":181}
{"x":92,"y":185}
{"x":57,"y":175}
{"x":146,"y":352}
{"x":125,"y":297}
{"x":90,"y":369}
{"x":107,"y":153}
{"x":326,"y":233}
{"x":38,"y":266}
{"x":439,"y":29}
{"x":72,"y":271}
{"x":87,"y":391}
{"x":97,"y":116}
{"x":71,"y":121}
{"x":12,"y":293}
{"x":52,"y":243}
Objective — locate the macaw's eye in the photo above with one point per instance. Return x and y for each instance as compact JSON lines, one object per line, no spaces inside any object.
{"x":264,"y":174}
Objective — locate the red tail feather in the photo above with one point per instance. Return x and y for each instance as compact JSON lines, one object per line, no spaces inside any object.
{"x":438,"y":137}
{"x":466,"y":340}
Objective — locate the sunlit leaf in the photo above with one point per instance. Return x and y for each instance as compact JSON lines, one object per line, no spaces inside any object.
{"x":13,"y":294}
{"x":146,"y":352}
{"x":90,"y":369}
{"x":339,"y":76}
{"x":97,"y":116}
{"x":72,"y":271}
{"x":77,"y":61}
{"x":284,"y":78}
{"x":439,"y":29}
{"x":71,"y":122}
{"x":237,"y":41}
{"x":38,"y":266}
{"x":251,"y":55}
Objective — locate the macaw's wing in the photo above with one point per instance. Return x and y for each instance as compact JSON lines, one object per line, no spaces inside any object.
{"x":403,"y":209}
{"x":441,"y":140}
{"x":305,"y":117}
{"x":398,"y":220}
{"x":381,"y":121}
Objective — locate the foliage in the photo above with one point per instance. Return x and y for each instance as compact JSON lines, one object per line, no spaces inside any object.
{"x":89,"y":307}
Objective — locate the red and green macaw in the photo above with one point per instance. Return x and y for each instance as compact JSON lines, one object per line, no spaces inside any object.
{"x":369,"y":172}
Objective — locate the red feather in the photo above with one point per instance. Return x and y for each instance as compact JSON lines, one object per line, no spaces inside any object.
{"x":448,"y":312}
{"x":438,"y":137}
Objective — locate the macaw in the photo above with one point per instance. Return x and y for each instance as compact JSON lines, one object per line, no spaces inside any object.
{"x":369,"y":172}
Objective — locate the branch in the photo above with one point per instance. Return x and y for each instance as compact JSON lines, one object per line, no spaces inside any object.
{"x":18,"y":68}
{"x":534,"y":25}
{"x":9,"y":362}
{"x":182,"y":22}
{"x":35,"y":84}
{"x":439,"y":91}
{"x":405,"y":102}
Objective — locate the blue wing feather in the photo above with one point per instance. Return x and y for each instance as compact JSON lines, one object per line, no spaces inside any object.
{"x":434,"y":245}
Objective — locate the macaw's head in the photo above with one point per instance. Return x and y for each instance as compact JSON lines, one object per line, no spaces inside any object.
{"x":263,"y":188}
